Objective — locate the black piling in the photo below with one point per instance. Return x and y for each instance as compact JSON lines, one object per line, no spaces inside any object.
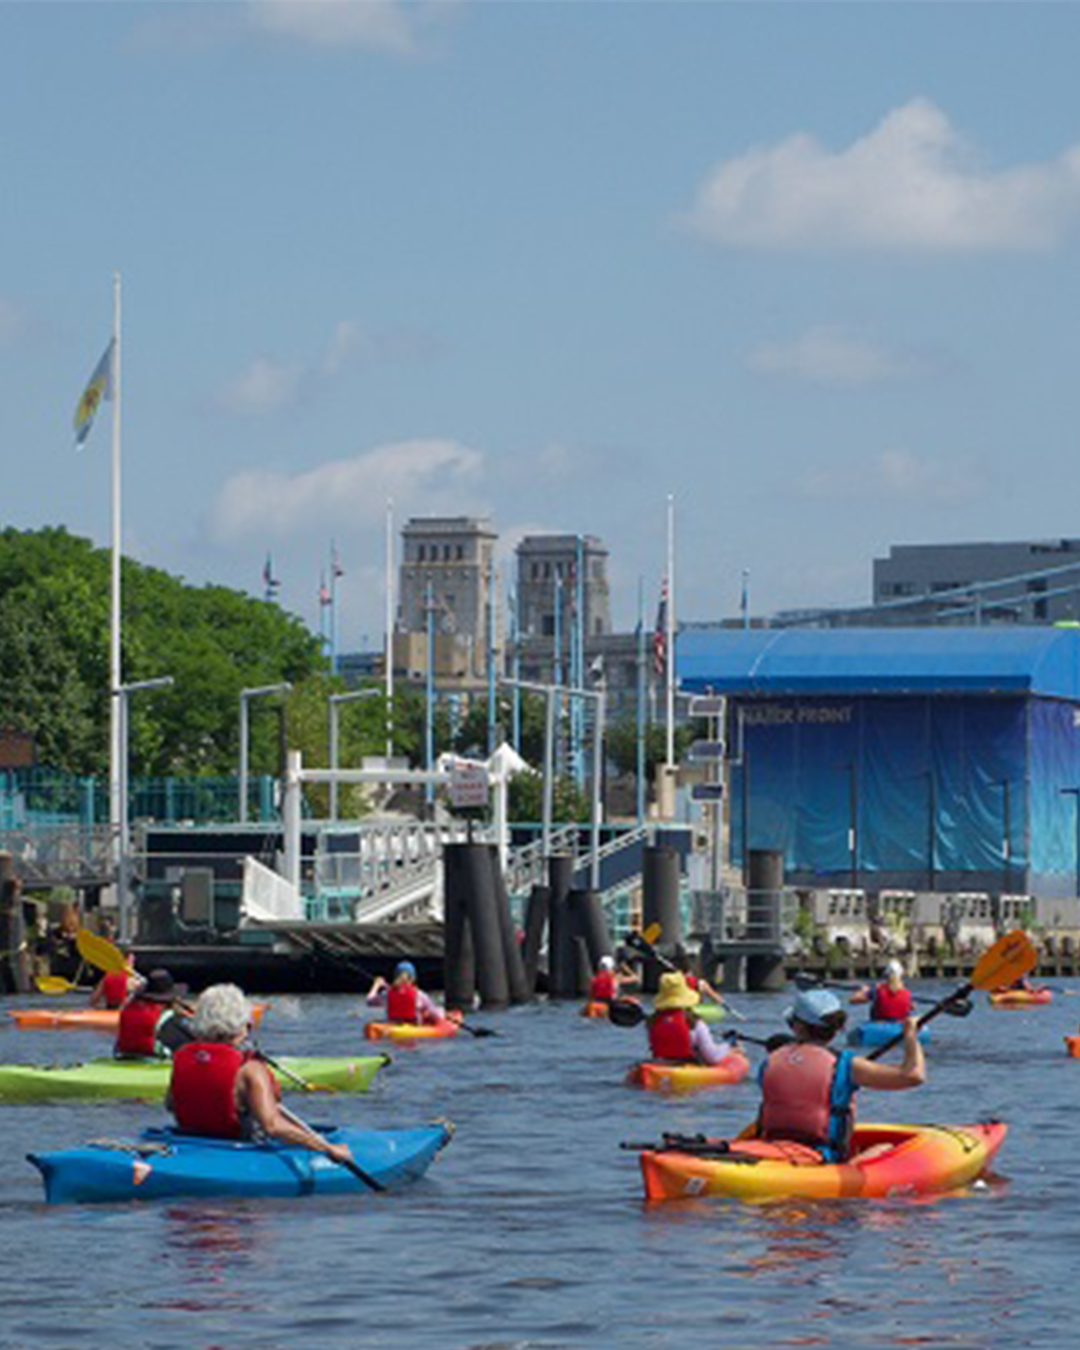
{"x":536,"y":918}
{"x":591,"y":924}
{"x":583,"y":966}
{"x":483,"y":915}
{"x":519,"y":988}
{"x":660,"y":903}
{"x":14,"y":958}
{"x":459,"y":962}
{"x":562,"y":981}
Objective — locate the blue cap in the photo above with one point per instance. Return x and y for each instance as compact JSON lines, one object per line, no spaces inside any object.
{"x":405,"y":968}
{"x":813,"y":1006}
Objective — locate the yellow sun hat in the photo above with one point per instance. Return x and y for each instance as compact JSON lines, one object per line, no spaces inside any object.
{"x":674,"y":992}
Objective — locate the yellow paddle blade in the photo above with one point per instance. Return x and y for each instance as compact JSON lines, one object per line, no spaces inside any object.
{"x":99,"y":951}
{"x":653,"y":933}
{"x":1011,"y":957}
{"x":54,"y":984}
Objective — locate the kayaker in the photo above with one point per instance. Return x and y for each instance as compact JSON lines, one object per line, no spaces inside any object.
{"x":808,"y":1089}
{"x":890,"y":1000}
{"x":116,"y":986}
{"x":609,"y":980}
{"x":403,"y":1000}
{"x":152,"y":1021}
{"x":675,"y":1034}
{"x":698,"y":982}
{"x":221,"y":1090}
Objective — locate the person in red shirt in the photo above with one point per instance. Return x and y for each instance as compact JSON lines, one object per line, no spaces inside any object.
{"x":889,"y":1001}
{"x":219,"y":1089}
{"x":151,"y":1025}
{"x":403,"y":1000}
{"x":116,"y":986}
{"x":675,"y":1035}
{"x":609,"y":980}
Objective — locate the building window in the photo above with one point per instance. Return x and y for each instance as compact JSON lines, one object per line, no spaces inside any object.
{"x":420,"y":553}
{"x":460,"y":552}
{"x":547,"y":625}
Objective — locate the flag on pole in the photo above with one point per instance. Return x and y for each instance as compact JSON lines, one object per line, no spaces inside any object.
{"x":324,"y":591}
{"x":335,"y":562}
{"x":99,"y":386}
{"x":270,"y":582}
{"x":660,"y":632}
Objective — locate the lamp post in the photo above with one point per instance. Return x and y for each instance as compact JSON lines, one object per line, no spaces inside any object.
{"x":853,"y":821}
{"x":1006,"y":836}
{"x":335,"y":701}
{"x":259,"y":692}
{"x":123,"y":869}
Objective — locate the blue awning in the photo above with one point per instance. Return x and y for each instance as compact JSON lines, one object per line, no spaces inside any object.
{"x":787,"y":661}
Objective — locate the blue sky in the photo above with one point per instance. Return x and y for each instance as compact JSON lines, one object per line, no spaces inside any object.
{"x":811,"y":268}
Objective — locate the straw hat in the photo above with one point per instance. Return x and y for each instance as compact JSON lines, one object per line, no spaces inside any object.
{"x":674,"y":992}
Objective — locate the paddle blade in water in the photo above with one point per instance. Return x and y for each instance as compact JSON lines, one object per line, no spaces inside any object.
{"x":1010,"y":958}
{"x":98,"y":951}
{"x":53,"y":984}
{"x":626,"y":1013}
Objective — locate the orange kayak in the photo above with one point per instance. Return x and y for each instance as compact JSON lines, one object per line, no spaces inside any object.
{"x":1072,"y":1045}
{"x":689,"y":1077}
{"x":410,"y":1031}
{"x":1020,"y":998}
{"x":83,"y":1019}
{"x":595,"y":1009}
{"x":887,"y":1160}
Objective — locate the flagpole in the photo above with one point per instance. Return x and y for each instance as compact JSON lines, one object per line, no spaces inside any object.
{"x":116,"y":806}
{"x":640,"y":709}
{"x":388,"y":659}
{"x":669,"y":641}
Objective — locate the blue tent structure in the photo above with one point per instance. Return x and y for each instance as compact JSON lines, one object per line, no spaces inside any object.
{"x":924,"y":759}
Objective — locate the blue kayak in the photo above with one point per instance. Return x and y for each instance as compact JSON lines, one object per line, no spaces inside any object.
{"x":164,"y":1164}
{"x":877,"y":1033}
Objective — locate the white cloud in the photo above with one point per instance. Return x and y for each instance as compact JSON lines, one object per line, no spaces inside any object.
{"x":423,"y":477}
{"x":380,"y":25}
{"x":267,"y":385}
{"x":829,"y":355}
{"x":896,"y":476}
{"x":912,"y":183}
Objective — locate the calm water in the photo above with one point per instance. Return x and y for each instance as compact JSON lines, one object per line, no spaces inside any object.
{"x":530,"y":1230}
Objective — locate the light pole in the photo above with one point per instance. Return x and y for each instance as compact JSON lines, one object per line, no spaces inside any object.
{"x":259,"y":692}
{"x":123,"y":883}
{"x":1006,"y":836}
{"x":335,"y":701}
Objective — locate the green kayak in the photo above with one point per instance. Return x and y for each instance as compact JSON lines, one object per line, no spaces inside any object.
{"x":148,"y":1079}
{"x":710,"y":1012}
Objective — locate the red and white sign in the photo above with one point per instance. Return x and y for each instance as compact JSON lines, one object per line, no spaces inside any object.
{"x":468,"y":785}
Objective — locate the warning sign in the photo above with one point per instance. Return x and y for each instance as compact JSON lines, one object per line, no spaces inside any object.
{"x":468,"y":785}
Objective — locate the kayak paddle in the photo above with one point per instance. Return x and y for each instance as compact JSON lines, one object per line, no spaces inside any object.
{"x":100,"y":952}
{"x":347,"y":1163}
{"x":1011,"y":957}
{"x":802,"y":980}
{"x":54,"y":984}
{"x":645,"y":943}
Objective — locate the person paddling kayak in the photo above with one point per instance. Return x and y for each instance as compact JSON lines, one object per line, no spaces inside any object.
{"x":808,"y":1090}
{"x":675,"y":1034}
{"x":116,"y":986}
{"x":609,"y":980}
{"x":890,"y":1001}
{"x":225,"y":1092}
{"x":153,"y":1022}
{"x":403,"y":1000}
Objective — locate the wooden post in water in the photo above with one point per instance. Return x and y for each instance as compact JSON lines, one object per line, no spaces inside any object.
{"x":536,"y":918}
{"x":562,"y":981}
{"x":14,"y":957}
{"x":459,"y":963}
{"x":660,"y":903}
{"x":519,"y":988}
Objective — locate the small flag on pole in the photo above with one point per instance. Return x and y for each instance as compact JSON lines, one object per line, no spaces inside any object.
{"x":99,"y":386}
{"x":324,"y":591}
{"x":335,"y":562}
{"x":660,"y":633}
{"x":270,"y":583}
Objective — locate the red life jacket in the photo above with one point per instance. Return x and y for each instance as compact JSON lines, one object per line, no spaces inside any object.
{"x":691,"y":980}
{"x":602,"y":988}
{"x":115,"y":988}
{"x":796,"y":1088}
{"x":401,"y":1003}
{"x":890,"y":1005}
{"x":138,"y":1022}
{"x":669,"y":1036}
{"x":203,"y":1088}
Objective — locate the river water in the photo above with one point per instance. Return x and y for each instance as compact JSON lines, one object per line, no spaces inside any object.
{"x":531,"y":1231}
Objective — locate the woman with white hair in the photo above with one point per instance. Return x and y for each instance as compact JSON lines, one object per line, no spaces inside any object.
{"x":890,"y":1001}
{"x":220,"y":1090}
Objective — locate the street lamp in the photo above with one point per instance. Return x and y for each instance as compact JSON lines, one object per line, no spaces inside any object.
{"x":123,"y":870}
{"x":335,"y":701}
{"x":283,"y":688}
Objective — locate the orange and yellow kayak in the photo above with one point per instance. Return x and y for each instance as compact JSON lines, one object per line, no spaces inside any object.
{"x":410,"y":1031}
{"x":659,"y":1077}
{"x":887,"y":1160}
{"x":1021,"y":998}
{"x":83,"y":1019}
{"x":1072,"y":1045}
{"x":595,"y":1008}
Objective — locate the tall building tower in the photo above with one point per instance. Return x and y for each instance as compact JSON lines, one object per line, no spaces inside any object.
{"x":547,"y":575}
{"x":449,"y":558}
